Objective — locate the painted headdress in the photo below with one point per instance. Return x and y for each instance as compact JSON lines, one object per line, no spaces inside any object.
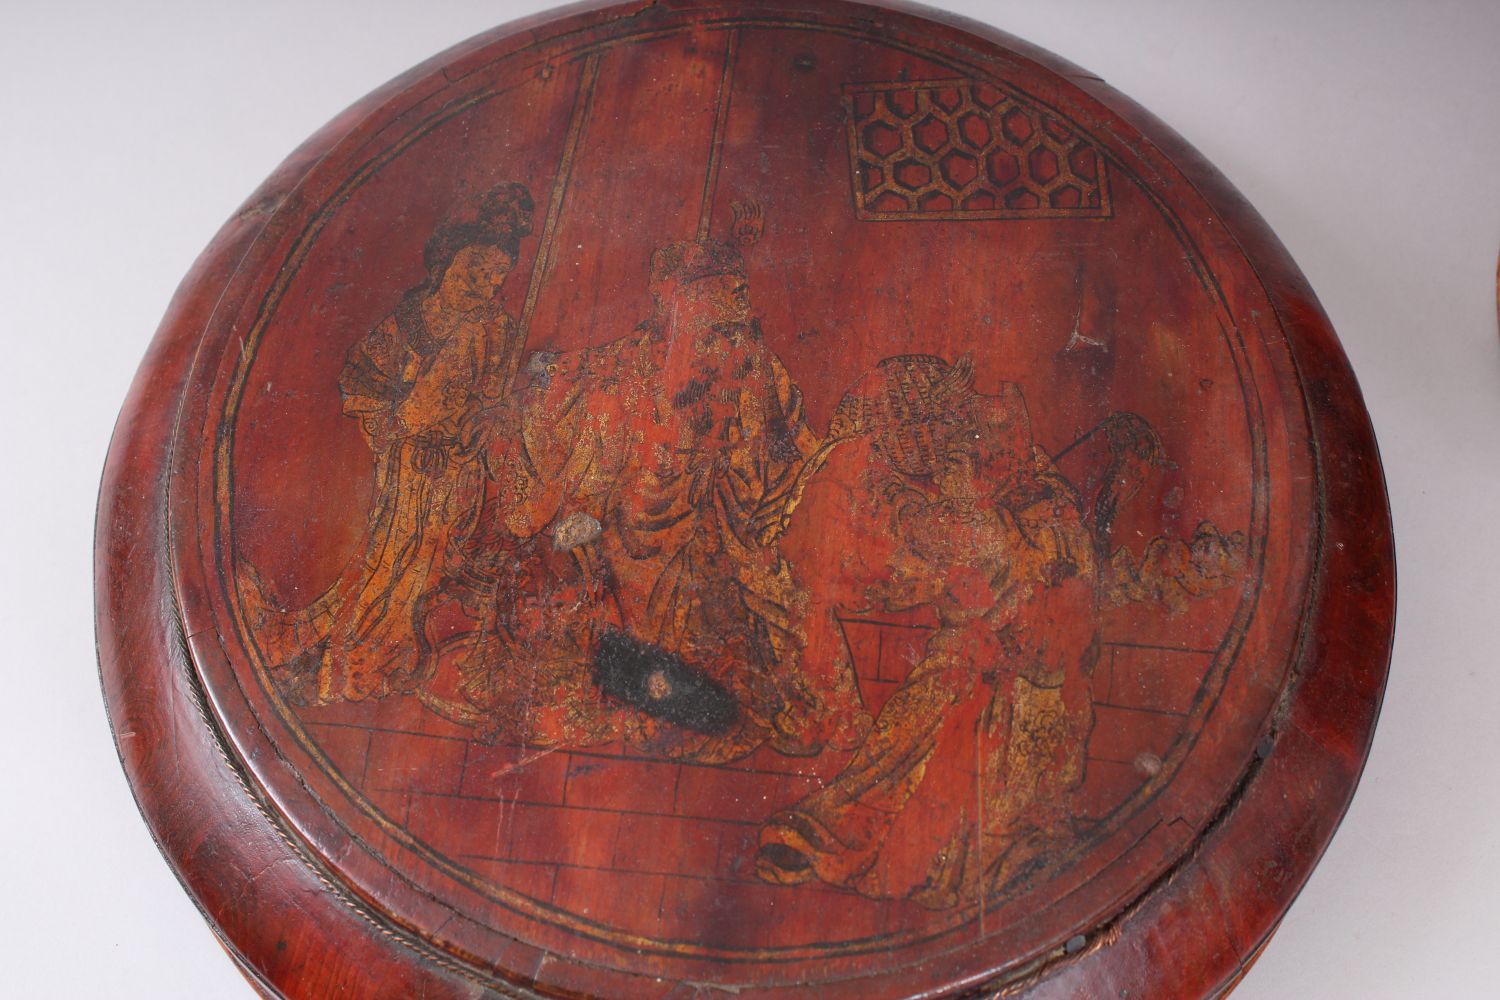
{"x":909,"y":405}
{"x":504,"y":218}
{"x":692,"y":260}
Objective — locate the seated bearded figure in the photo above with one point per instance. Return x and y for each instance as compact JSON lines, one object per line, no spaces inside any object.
{"x":631,"y":495}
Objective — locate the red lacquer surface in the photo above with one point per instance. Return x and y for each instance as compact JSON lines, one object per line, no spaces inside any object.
{"x":776,"y":498}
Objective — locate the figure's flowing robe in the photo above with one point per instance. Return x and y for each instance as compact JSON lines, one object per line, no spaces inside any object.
{"x":417,"y":384}
{"x":682,"y":465}
{"x":964,"y":777}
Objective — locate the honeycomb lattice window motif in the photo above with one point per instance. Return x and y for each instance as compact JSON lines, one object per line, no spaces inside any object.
{"x":956,"y":149}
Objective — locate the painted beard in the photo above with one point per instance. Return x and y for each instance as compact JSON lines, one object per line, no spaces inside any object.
{"x":707,"y":392}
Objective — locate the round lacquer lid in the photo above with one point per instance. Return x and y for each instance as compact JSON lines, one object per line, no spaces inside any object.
{"x":764,"y":499}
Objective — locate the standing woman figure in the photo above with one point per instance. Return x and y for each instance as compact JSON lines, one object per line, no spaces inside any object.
{"x":420,"y":385}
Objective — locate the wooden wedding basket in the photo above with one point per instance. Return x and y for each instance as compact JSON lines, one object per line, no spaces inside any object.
{"x":768,"y":499}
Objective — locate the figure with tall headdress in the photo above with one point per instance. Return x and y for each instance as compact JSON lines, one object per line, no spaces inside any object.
{"x":656,"y":462}
{"x":949,"y":506}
